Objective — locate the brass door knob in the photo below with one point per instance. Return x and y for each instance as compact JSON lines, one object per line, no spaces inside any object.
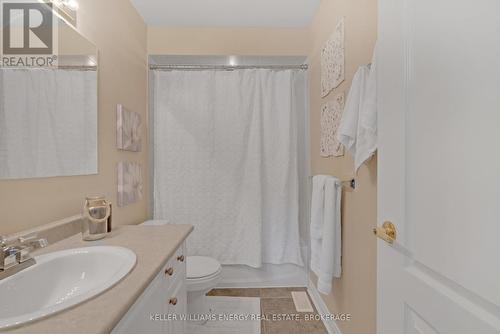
{"x":169,"y":271}
{"x":173,"y":301}
{"x":387,"y":232}
{"x":180,"y":258}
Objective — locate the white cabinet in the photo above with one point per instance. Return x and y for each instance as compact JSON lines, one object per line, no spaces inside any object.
{"x":162,"y":307}
{"x":150,"y":303}
{"x":178,"y":309}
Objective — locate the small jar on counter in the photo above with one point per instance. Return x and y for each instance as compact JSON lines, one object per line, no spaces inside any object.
{"x":96,"y":218}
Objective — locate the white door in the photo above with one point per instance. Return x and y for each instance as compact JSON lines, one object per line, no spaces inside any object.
{"x":439,"y":166}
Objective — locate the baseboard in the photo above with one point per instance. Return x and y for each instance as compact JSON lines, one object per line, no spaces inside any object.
{"x":320,"y":305}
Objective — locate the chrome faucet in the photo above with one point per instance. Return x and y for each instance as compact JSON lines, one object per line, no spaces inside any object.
{"x":15,"y":255}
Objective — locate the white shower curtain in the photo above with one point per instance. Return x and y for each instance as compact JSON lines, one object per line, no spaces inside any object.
{"x":48,"y":122}
{"x":226,"y":161}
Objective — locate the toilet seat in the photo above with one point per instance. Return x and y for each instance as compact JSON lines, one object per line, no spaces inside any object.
{"x":198,"y":267}
{"x":202,"y":273}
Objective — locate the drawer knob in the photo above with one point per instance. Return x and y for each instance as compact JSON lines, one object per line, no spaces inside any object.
{"x":180,"y":258}
{"x":173,"y":301}
{"x":169,"y":271}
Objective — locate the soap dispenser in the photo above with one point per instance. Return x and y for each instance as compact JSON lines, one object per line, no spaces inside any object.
{"x":96,"y":215}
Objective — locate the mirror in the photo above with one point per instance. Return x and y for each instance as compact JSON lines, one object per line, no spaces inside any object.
{"x":48,"y":115}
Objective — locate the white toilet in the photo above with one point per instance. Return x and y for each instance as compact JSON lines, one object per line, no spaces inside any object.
{"x":203,"y":273}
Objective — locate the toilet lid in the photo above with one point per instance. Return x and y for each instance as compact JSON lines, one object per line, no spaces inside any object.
{"x":201,"y":266}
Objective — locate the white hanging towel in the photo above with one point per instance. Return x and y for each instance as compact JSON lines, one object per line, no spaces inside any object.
{"x":358,"y":127}
{"x":326,"y":243}
{"x":317,"y":206}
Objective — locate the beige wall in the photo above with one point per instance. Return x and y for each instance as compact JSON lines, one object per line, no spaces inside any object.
{"x":223,"y":41}
{"x":355,"y":292}
{"x":71,"y":42}
{"x":120,"y":35}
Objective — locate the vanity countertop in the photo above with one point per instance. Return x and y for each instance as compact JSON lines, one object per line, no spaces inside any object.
{"x":153,"y":245}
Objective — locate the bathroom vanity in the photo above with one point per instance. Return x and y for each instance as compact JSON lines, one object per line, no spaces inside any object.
{"x":162,"y":306}
{"x":155,"y":287}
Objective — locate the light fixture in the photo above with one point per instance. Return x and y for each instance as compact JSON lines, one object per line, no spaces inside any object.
{"x":66,"y":10}
{"x":71,"y":4}
{"x":233,"y":60}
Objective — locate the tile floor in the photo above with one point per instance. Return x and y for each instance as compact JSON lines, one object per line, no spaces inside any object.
{"x":277,"y":301}
{"x":229,"y":305}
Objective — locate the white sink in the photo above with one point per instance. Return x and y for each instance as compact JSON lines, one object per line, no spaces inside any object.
{"x":60,"y":280}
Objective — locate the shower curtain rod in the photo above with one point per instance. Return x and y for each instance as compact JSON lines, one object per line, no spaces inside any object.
{"x":226,"y":67}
